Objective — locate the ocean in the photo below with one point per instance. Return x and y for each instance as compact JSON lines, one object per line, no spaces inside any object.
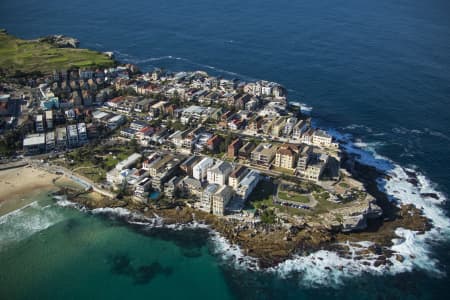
{"x":374,"y":72}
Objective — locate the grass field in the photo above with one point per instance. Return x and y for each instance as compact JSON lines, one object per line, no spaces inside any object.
{"x":17,"y":55}
{"x":95,"y":162}
{"x":293,"y":196}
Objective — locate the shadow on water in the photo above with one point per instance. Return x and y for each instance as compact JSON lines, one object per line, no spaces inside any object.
{"x":71,"y":225}
{"x":121,"y":264}
{"x":187,"y":238}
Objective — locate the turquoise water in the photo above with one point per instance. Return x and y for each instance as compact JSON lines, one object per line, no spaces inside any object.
{"x":83,"y":256}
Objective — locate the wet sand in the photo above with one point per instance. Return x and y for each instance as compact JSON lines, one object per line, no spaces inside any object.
{"x":21,"y":186}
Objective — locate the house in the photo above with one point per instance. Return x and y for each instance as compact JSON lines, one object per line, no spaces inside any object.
{"x":251,"y":105}
{"x":199,"y":171}
{"x":188,"y":164}
{"x":101,"y":116}
{"x":117,"y":177}
{"x":193,"y":113}
{"x":286,"y":156}
{"x":143,"y":105}
{"x":142,"y":187}
{"x":127,"y":105}
{"x":82,"y":133}
{"x":115,"y":102}
{"x":39,"y":122}
{"x":144,"y":135}
{"x":221,"y":198}
{"x":300,"y":127}
{"x":49,"y":141}
{"x":246,"y":150}
{"x":321,"y":139}
{"x":92,"y":131}
{"x":138,"y":125}
{"x":177,"y":137}
{"x":137,"y":176}
{"x":315,"y":167}
{"x":307,"y":136}
{"x":128,"y":162}
{"x":191,"y":138}
{"x":206,"y":199}
{"x":219,"y":173}
{"x":213,"y":143}
{"x":171,"y":187}
{"x":61,"y":138}
{"x":303,"y":158}
{"x":162,"y":169}
{"x":278,"y":126}
{"x":233,"y":148}
{"x":116,"y":121}
{"x":49,"y":119}
{"x":157,"y":109}
{"x":72,"y":136}
{"x":248,"y":184}
{"x":191,"y":187}
{"x":255,"y":124}
{"x":236,"y":176}
{"x":263,"y":154}
{"x":290,"y":123}
{"x":34,"y":144}
{"x":202,"y":140}
{"x":128,"y":133}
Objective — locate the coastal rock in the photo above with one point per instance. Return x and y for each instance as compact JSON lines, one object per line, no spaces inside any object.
{"x":355,"y":218}
{"x":430,"y":195}
{"x":399,"y":257}
{"x":60,"y":41}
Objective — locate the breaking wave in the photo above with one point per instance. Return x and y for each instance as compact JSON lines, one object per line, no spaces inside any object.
{"x":412,"y":250}
{"x":328,"y":268}
{"x":131,"y":59}
{"x":26,"y":221}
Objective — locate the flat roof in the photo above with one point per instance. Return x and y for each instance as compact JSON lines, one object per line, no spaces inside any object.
{"x":34,"y":139}
{"x":116,"y":118}
{"x":48,"y":114}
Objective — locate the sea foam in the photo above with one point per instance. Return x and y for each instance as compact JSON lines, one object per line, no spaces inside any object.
{"x":26,"y":221}
{"x":331,"y":269}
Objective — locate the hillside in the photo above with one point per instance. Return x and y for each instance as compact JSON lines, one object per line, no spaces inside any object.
{"x":30,"y":56}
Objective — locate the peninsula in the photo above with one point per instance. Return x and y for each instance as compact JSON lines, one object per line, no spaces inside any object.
{"x":192,"y":148}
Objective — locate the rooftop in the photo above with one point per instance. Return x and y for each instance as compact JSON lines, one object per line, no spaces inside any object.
{"x":34,"y":139}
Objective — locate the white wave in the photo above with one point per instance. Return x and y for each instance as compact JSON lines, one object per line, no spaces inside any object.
{"x":437,"y":134}
{"x":365,"y":156}
{"x":26,"y":221}
{"x":358,"y":127}
{"x":306,"y":109}
{"x":327,"y":268}
{"x":406,"y":186}
{"x":410,"y":190}
{"x":231,"y":253}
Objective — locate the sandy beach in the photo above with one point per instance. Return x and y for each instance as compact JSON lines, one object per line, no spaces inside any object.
{"x":19,"y":182}
{"x":20,"y":186}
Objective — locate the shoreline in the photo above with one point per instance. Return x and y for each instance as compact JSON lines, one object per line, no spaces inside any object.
{"x":272,"y":245}
{"x":20,"y":186}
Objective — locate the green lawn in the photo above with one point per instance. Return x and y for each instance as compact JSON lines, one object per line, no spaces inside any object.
{"x":95,"y":162}
{"x":293,"y":196}
{"x":283,"y":170}
{"x":32,"y":56}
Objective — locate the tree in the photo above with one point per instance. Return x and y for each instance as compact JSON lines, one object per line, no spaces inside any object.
{"x":134,"y":145}
{"x":268,"y":216}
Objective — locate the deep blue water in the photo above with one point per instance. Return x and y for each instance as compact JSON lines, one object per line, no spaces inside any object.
{"x":379,"y":70}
